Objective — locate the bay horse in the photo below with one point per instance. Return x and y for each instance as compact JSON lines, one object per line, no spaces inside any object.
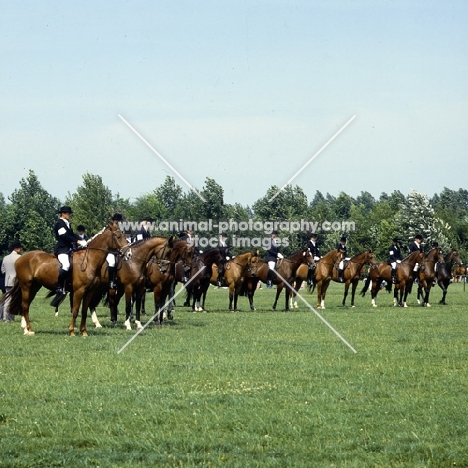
{"x":202,"y":272}
{"x":444,"y":272}
{"x":37,"y":269}
{"x":131,"y":275}
{"x":324,"y":274}
{"x":161,"y":274}
{"x":404,"y":279}
{"x":427,"y":274}
{"x":285,"y":273}
{"x":351,"y":275}
{"x":234,"y":273}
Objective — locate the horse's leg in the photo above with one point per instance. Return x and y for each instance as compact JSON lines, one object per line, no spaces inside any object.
{"x":324,"y":293}
{"x":77,"y":298}
{"x":346,"y":289}
{"x":84,"y":312}
{"x":297,"y":287}
{"x":319,"y":294}
{"x":444,"y":287}
{"x":231,"y":295}
{"x":128,"y":307}
{"x":279,"y":288}
{"x":251,"y":287}
{"x":353,"y":290}
{"x":28,"y":294}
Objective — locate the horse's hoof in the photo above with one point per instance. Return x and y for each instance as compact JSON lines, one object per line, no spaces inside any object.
{"x":72,"y":333}
{"x":84,"y":334}
{"x":419,"y":302}
{"x":28,"y":333}
{"x":375,"y":305}
{"x":428,"y":305}
{"x":56,"y":313}
{"x":97,"y":325}
{"x":296,"y":306}
{"x":127,"y":324}
{"x":138,"y":325}
{"x":253,"y":308}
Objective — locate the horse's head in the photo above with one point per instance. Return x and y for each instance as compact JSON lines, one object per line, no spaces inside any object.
{"x":454,"y":257}
{"x":308,"y":258}
{"x":370,"y":258}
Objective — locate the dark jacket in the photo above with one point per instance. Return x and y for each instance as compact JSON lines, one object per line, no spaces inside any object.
{"x":272,"y":253}
{"x":314,"y":249}
{"x":394,"y":254}
{"x":66,"y":239}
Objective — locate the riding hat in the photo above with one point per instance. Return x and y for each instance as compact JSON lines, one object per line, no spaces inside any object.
{"x":274,"y":232}
{"x":435,"y":244}
{"x":117,"y":217}
{"x":343,"y":239}
{"x":418,"y":236}
{"x":395,"y":239}
{"x":313,"y":235}
{"x":80,"y":228}
{"x":223,"y":234}
{"x":65,"y":209}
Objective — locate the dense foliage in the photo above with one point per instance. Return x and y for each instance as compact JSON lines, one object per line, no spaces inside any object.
{"x":30,"y":212}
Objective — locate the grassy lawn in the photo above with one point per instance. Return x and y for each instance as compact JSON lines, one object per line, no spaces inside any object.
{"x":247,"y":389}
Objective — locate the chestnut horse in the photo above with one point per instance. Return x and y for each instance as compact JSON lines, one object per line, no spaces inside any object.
{"x":428,"y":274}
{"x":255,"y":272}
{"x":324,"y":274}
{"x":444,"y":272}
{"x":404,"y":278}
{"x":131,"y":275}
{"x":234,"y":274}
{"x":161,"y":274}
{"x":285,"y":273}
{"x":38,"y":269}
{"x":459,"y":272}
{"x":351,"y":275}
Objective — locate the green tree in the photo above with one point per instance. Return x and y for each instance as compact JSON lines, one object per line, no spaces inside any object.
{"x":94,"y":204}
{"x":30,"y":216}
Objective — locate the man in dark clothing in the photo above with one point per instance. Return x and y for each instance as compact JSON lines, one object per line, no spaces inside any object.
{"x":223,"y":247}
{"x":271,"y":256}
{"x":341,"y":246}
{"x":312,"y":245}
{"x":394,"y":257}
{"x":67,"y":241}
{"x":416,"y":246}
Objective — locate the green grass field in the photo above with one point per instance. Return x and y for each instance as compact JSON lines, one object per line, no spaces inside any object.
{"x":247,"y":389}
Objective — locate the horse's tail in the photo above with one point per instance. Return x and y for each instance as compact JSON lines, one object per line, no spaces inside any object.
{"x":15,"y":297}
{"x":244,"y":290}
{"x":311,"y":287}
{"x":366,"y":286}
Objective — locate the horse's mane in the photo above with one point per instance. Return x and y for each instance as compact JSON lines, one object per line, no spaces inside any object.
{"x":97,"y":234}
{"x":409,"y":255}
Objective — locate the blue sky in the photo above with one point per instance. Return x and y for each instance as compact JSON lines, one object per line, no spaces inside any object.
{"x":244,"y":92}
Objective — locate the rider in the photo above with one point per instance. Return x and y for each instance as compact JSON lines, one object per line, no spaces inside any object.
{"x":111,"y":258}
{"x":143,"y":232}
{"x":394,"y":256}
{"x":67,"y":241}
{"x":312,"y":245}
{"x":416,"y":246}
{"x":341,"y":246}
{"x":223,"y":247}
{"x":272,"y":255}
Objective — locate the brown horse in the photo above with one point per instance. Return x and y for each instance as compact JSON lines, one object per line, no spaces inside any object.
{"x":459,"y":272}
{"x":404,"y":279}
{"x":131,"y":275}
{"x":234,"y":273}
{"x":161,"y":275}
{"x":255,"y":272}
{"x":428,"y":274}
{"x":444,"y":272}
{"x":324,"y":274}
{"x":204,"y":266}
{"x":351,"y":275}
{"x":286,"y":273}
{"x":38,"y":269}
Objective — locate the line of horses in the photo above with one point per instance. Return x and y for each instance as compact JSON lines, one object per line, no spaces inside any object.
{"x":159,"y":263}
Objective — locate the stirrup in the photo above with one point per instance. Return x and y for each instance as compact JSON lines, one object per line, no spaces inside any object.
{"x":112,"y":285}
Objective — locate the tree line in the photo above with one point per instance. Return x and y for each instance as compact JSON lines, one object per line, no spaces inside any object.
{"x":30,"y":213}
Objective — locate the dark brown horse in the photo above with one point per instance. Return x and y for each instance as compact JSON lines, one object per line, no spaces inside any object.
{"x":131,"y":275}
{"x":427,"y":274}
{"x":38,"y":269}
{"x":161,"y":275}
{"x":201,"y":273}
{"x":404,"y":279}
{"x":351,"y":275}
{"x":444,"y":272}
{"x":234,"y":274}
{"x":286,"y":273}
{"x":324,"y":274}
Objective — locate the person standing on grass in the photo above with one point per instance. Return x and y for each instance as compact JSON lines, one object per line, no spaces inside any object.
{"x":8,"y":268}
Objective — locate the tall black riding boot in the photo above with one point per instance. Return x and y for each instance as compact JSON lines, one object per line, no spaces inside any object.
{"x":112,"y":277}
{"x":270,"y":278}
{"x":61,"y":291}
{"x":340,"y":276}
{"x":393,"y":276}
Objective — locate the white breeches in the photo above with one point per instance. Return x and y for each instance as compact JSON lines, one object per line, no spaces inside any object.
{"x":271,"y":265}
{"x":110,"y":259}
{"x":64,"y":260}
